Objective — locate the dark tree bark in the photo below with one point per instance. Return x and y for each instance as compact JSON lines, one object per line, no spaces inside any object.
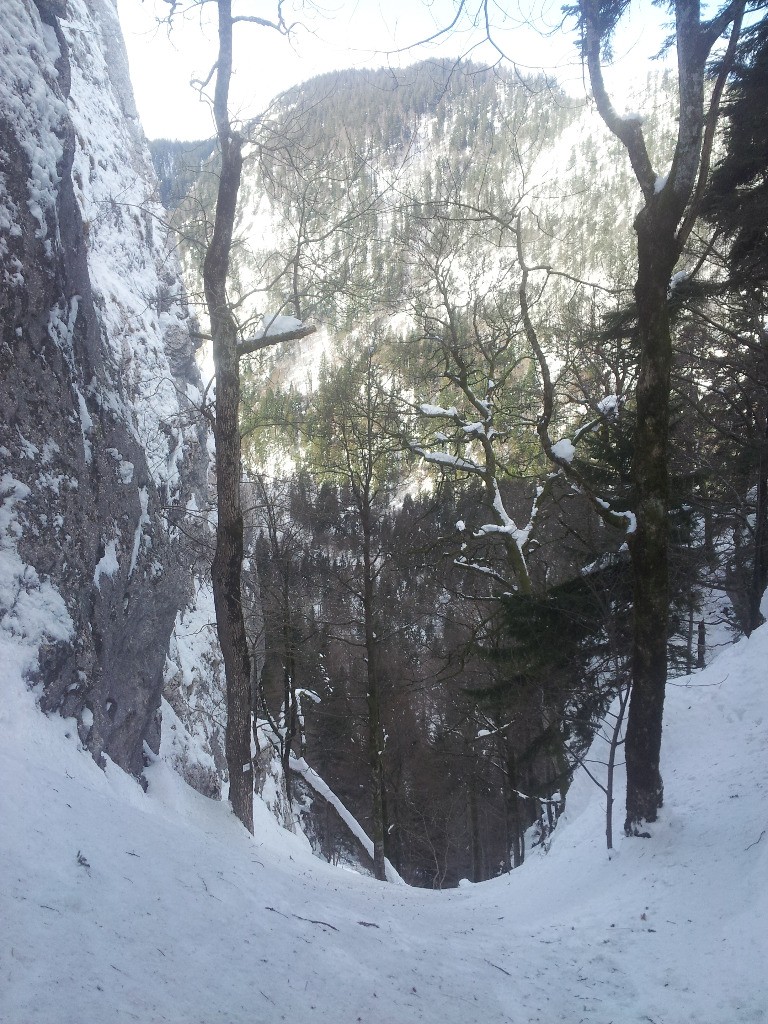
{"x":759,"y":579}
{"x":515,"y":809}
{"x":375,"y":732}
{"x":228,"y":560}
{"x":290,"y":702}
{"x":701,"y":645}
{"x":228,"y":347}
{"x":473,"y":817}
{"x":650,"y":543}
{"x":662,"y":227}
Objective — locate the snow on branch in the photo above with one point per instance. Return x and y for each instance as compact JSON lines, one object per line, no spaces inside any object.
{"x":563,"y":450}
{"x":475,"y":430}
{"x":485,"y":466}
{"x":448,"y":461}
{"x":562,"y":453}
{"x":273,"y":332}
{"x":436,"y":410}
{"x":485,"y":570}
{"x":310,"y":776}
{"x":507,"y":524}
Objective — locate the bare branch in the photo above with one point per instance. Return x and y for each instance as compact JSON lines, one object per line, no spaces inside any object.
{"x":627,"y":129}
{"x":250,"y":345}
{"x":620,"y":520}
{"x":710,"y":127}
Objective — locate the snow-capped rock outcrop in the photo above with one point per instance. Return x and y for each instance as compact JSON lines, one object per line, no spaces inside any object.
{"x":101,"y":449}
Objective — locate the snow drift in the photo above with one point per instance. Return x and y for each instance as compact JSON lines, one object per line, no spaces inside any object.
{"x":120,"y":905}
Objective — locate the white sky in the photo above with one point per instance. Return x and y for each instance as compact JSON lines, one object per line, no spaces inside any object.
{"x":341,"y":34}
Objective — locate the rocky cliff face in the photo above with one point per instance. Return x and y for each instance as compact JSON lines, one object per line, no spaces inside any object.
{"x":104,"y":600}
{"x":101,"y":451}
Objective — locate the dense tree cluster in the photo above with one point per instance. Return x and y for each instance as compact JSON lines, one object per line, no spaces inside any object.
{"x":530,"y":467}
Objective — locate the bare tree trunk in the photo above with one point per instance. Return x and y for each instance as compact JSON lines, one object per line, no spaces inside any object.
{"x":701,"y":645}
{"x":760,"y":564}
{"x":290,"y":704}
{"x":375,"y":734}
{"x":474,"y":820}
{"x":650,"y":543}
{"x":513,"y":812}
{"x":663,"y":227}
{"x":228,"y":561}
{"x":612,"y":749}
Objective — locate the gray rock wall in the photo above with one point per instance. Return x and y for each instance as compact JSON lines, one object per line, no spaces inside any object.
{"x":101,"y":451}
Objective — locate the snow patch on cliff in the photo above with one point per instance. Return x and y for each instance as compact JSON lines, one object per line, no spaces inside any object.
{"x":32,"y":611}
{"x":134,"y":276}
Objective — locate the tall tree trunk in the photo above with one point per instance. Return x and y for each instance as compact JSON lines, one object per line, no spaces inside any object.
{"x":650,"y":543}
{"x":290,"y":702}
{"x":689,"y":638}
{"x":701,"y":645}
{"x":663,"y":227}
{"x":513,"y":811}
{"x":375,"y":732}
{"x":759,"y":579}
{"x":228,"y":561}
{"x":473,"y":817}
{"x":609,"y":775}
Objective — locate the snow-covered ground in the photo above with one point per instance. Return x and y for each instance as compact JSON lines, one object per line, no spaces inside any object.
{"x":118,"y":905}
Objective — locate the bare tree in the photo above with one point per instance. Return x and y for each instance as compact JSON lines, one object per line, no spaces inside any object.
{"x":228,"y":347}
{"x":663,"y":225}
{"x":671,"y":205}
{"x":357,"y":424}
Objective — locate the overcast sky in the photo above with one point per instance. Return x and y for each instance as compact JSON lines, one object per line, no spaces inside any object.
{"x":346,"y":33}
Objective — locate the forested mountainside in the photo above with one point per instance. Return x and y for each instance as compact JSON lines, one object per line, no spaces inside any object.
{"x":447,"y":613}
{"x":177,"y":166}
{"x":346,"y":167}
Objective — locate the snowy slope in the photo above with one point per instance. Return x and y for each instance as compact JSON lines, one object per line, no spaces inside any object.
{"x":123,"y":906}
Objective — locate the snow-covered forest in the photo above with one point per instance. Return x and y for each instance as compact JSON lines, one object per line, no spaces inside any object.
{"x":384,"y":535}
